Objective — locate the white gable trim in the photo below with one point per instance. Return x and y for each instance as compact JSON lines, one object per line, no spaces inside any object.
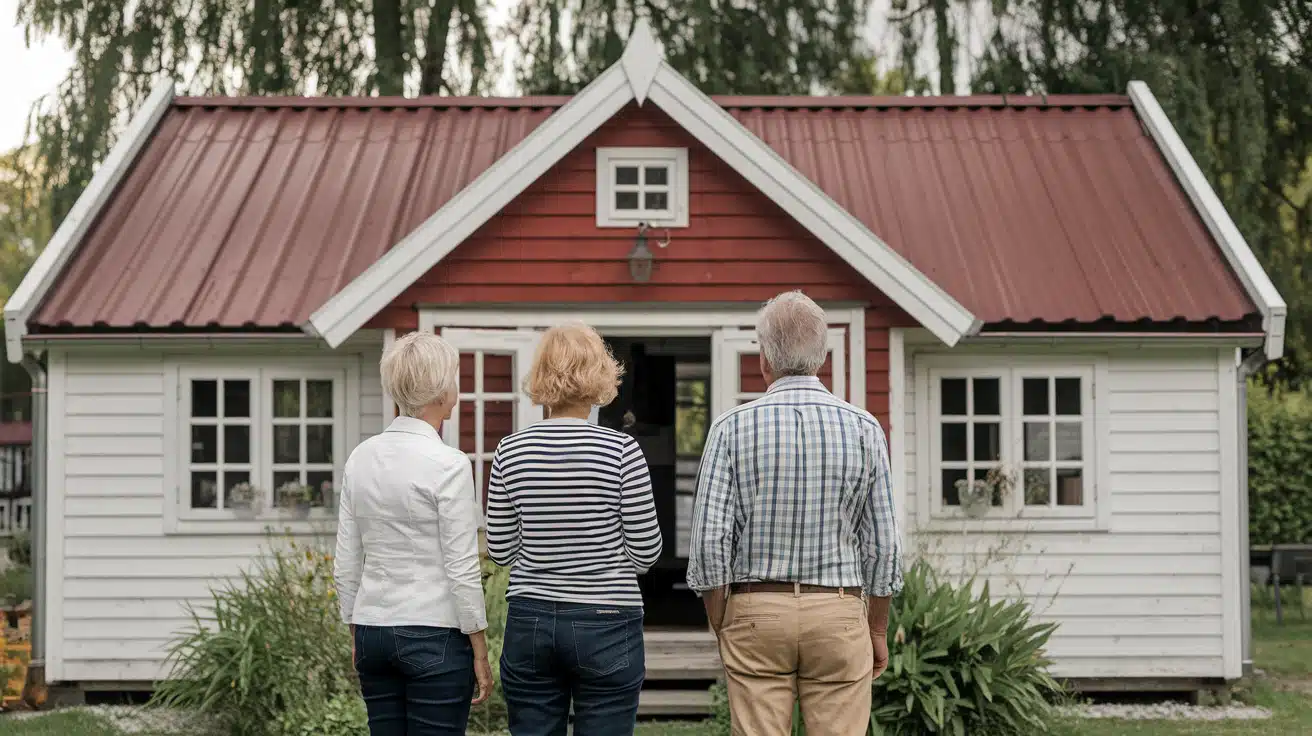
{"x":427,"y":245}
{"x":1218,"y":221}
{"x":812,"y":208}
{"x":41,"y":276}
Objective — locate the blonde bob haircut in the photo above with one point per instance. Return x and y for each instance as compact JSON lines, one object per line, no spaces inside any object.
{"x":573,"y":367}
{"x":420,"y":369}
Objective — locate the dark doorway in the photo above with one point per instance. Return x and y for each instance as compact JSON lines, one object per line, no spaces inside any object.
{"x":664,"y":403}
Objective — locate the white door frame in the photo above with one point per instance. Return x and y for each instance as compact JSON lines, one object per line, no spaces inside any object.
{"x":729,"y":345}
{"x":659,"y":321}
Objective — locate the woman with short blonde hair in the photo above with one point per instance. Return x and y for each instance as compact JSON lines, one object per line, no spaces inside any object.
{"x":407,"y":569}
{"x":570,"y":510}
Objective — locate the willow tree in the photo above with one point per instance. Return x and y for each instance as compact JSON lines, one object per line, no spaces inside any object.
{"x":237,"y":47}
{"x":741,"y":47}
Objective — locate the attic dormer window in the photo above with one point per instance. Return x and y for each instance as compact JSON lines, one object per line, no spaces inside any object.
{"x":637,"y":185}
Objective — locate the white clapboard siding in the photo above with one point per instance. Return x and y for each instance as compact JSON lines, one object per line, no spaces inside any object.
{"x":1144,"y":597}
{"x":123,"y":587}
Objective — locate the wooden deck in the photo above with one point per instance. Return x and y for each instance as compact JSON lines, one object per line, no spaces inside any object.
{"x":681,"y":664}
{"x":681,"y":655}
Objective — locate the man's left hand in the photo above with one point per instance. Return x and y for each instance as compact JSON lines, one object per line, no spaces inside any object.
{"x":879,"y":641}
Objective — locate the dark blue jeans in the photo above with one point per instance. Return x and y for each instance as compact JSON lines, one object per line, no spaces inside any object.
{"x":416,"y":680}
{"x":558,"y":653}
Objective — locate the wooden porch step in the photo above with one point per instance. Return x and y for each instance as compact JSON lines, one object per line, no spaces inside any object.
{"x":682,"y":655}
{"x":674,"y":703}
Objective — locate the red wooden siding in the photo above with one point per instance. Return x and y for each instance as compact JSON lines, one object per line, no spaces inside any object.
{"x":739,"y":247}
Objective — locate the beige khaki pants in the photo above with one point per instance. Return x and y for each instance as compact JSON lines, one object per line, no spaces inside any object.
{"x":781,"y":648}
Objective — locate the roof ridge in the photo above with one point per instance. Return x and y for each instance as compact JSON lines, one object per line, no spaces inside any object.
{"x":735,"y":102}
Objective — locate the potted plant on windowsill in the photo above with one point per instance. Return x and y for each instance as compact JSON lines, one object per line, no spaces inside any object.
{"x":244,"y":501}
{"x":977,"y":496}
{"x":296,"y":498}
{"x":328,"y":495}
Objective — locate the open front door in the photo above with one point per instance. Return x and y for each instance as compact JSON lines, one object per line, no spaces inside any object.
{"x":736,"y":372}
{"x":493,"y":404}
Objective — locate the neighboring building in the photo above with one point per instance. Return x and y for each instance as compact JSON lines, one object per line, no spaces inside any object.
{"x":1047,"y":286}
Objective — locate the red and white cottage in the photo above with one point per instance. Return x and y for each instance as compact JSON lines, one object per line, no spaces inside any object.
{"x":1044,"y":286}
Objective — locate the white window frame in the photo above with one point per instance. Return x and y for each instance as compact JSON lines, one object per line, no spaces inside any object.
{"x":729,"y":345}
{"x":180,"y":518}
{"x":609,"y":159}
{"x":337,"y":422}
{"x":1095,"y":512}
{"x":520,"y":345}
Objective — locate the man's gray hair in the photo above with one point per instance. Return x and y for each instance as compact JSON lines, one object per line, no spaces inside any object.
{"x":794,"y":334}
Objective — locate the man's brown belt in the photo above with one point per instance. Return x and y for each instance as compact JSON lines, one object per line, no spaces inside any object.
{"x":795,"y":588}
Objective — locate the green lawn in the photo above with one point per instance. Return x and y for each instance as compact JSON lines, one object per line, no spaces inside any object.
{"x":59,"y":724}
{"x":1284,"y":652}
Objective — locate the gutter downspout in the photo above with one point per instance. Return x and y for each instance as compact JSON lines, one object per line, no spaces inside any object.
{"x":34,"y":688}
{"x":1247,"y":367}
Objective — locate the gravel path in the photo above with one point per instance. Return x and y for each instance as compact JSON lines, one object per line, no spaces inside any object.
{"x":132,"y":719}
{"x":1169,"y":711}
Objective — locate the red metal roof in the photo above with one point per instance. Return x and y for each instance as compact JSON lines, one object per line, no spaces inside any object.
{"x":253,"y":212}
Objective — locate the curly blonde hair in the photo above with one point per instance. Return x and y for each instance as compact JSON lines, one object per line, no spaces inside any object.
{"x":573,"y":367}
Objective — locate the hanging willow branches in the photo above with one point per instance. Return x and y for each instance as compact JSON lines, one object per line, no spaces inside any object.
{"x":741,"y":47}
{"x":241,"y":47}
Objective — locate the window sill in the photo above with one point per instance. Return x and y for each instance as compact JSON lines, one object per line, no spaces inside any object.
{"x":319,"y":523}
{"x":655,"y":222}
{"x":949,"y":523}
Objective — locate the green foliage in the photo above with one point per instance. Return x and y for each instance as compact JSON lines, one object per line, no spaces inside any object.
{"x":749,"y":47}
{"x":1279,"y":455}
{"x":959,"y":663}
{"x":962,"y":663}
{"x":491,"y":715}
{"x":20,"y":549}
{"x":233,"y":663}
{"x":16,"y":585}
{"x":342,"y":715}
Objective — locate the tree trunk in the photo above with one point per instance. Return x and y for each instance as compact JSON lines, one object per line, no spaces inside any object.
{"x":947,"y":48}
{"x":439,"y":28}
{"x":389,"y":47}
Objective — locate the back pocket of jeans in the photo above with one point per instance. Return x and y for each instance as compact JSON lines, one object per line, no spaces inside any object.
{"x":519,"y":644}
{"x":602,"y":647}
{"x":421,"y":647}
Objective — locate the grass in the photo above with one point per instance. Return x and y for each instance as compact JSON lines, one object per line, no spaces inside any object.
{"x":1283,"y":651}
{"x":70,"y":723}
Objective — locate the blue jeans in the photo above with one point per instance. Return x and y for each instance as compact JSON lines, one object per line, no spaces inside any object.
{"x":416,"y":680}
{"x":555,"y":653}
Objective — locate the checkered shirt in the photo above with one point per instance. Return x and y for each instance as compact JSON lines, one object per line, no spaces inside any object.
{"x":794,"y":487}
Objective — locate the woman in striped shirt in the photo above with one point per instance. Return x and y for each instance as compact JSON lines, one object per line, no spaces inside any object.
{"x":570,"y":510}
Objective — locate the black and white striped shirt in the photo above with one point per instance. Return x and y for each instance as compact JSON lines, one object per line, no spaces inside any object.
{"x":569,"y":507}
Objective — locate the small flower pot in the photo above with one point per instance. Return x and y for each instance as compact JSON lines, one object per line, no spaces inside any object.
{"x":246,"y":512}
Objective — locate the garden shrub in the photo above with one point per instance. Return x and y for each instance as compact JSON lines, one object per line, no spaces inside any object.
{"x":959,"y":663}
{"x":1279,"y":454}
{"x":272,"y":658}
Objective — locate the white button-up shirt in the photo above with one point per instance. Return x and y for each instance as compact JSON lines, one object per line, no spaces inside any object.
{"x":407,"y":533}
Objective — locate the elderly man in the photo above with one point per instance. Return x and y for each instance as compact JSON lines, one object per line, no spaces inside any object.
{"x":795,"y":546}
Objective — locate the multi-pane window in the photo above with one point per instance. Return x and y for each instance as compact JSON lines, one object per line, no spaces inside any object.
{"x":1025,"y":432}
{"x":220,"y":439}
{"x":642,"y":185}
{"x":259,"y":439}
{"x":1053,"y":416}
{"x":971,"y":432}
{"x":301,"y":425}
{"x":642,"y":188}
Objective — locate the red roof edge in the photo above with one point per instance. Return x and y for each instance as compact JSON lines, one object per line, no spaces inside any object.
{"x":833,"y":102}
